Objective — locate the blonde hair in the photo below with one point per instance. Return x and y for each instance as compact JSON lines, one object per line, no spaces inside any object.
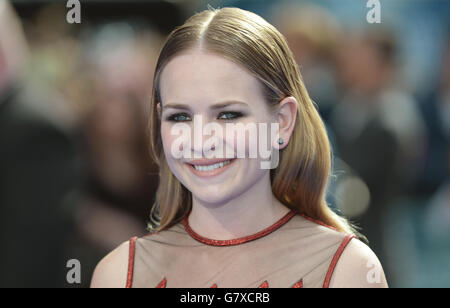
{"x":300,"y":180}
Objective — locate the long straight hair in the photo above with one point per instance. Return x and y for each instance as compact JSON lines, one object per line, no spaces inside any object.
{"x":300,"y":180}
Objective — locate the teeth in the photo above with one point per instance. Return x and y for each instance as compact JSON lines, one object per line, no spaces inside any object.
{"x":212,"y":167}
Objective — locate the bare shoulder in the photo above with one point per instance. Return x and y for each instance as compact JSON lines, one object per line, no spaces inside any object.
{"x":358,"y":267}
{"x":111,"y":271}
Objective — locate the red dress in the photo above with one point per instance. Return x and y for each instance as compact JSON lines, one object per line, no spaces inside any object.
{"x":296,"y":251}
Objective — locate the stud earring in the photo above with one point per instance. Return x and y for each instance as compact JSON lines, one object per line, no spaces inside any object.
{"x":280,"y":141}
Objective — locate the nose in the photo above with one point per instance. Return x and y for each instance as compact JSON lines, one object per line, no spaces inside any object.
{"x":206,"y":137}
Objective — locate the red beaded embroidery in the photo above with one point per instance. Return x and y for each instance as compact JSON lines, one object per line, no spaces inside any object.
{"x":298,"y":284}
{"x":265,"y":284}
{"x":162,"y":284}
{"x":262,"y":233}
{"x":241,"y":240}
{"x":336,"y":257}
{"x":317,"y":221}
{"x":131,"y":262}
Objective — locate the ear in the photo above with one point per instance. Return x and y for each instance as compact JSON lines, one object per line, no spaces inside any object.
{"x":286,"y":117}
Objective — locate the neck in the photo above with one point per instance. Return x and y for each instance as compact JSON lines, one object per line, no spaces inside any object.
{"x":244,"y":215}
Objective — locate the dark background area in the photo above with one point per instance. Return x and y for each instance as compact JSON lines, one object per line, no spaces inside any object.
{"x":76,"y":179}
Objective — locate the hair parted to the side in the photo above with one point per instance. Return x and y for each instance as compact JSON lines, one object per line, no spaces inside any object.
{"x":301,"y":178}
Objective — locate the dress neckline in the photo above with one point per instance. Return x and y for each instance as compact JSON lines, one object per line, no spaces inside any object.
{"x":240,"y":240}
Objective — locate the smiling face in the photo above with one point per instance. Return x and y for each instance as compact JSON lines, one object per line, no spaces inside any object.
{"x":198,"y":84}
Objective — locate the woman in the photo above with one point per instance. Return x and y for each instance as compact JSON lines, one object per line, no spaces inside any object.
{"x":228,"y":222}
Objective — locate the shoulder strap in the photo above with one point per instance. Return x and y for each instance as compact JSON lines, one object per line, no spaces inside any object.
{"x":317,"y":221}
{"x":131,"y":262}
{"x":336,"y":257}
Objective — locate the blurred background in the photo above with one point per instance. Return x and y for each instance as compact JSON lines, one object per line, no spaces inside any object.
{"x":75,"y":175}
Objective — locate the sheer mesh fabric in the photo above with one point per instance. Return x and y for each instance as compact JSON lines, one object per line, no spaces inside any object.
{"x":294,"y":252}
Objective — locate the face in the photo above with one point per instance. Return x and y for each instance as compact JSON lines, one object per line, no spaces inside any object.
{"x":198,"y":86}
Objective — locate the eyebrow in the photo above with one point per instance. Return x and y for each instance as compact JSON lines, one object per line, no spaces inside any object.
{"x":213,"y":107}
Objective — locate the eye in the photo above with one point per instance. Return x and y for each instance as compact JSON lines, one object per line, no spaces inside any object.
{"x":179,"y":117}
{"x":230,"y":115}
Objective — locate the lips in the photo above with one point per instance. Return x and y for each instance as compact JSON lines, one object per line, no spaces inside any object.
{"x":207,"y":162}
{"x":209,"y":167}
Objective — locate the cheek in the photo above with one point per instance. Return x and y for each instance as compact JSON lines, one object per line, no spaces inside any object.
{"x":167,"y":140}
{"x":252,"y":140}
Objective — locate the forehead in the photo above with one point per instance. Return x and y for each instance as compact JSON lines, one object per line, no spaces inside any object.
{"x":199,"y":77}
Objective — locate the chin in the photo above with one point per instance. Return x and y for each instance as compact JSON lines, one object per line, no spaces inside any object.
{"x":212,"y":202}
{"x":212,"y":194}
{"x":221,"y":188}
